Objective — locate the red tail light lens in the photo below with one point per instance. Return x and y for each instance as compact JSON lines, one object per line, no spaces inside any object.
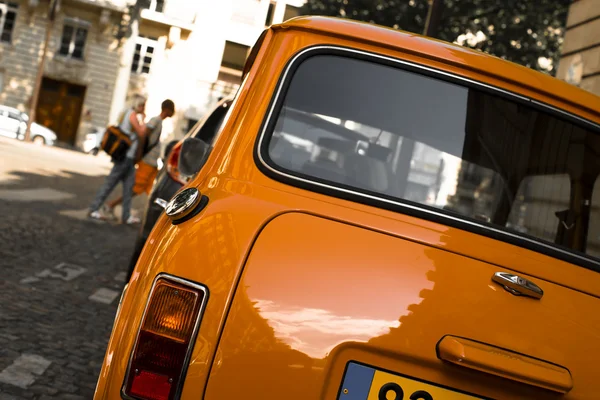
{"x":173,"y":164}
{"x":164,"y":342}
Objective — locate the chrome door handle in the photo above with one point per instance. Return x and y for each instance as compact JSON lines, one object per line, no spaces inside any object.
{"x":518,"y":286}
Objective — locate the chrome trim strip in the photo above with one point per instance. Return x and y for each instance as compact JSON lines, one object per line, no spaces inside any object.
{"x":193,"y":338}
{"x":275,"y":100}
{"x":564,"y":113}
{"x":119,"y":306}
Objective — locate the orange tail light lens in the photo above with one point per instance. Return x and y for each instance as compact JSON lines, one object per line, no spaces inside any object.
{"x":165,"y":339}
{"x":173,"y":164}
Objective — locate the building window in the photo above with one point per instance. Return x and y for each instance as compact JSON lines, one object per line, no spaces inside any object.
{"x":234,"y":56}
{"x":290,"y":12}
{"x":8,"y":16}
{"x":142,"y":58}
{"x":270,"y":13}
{"x":157,"y":5}
{"x":72,"y":42}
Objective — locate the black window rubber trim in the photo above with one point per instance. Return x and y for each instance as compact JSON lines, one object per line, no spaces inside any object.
{"x":334,"y":189}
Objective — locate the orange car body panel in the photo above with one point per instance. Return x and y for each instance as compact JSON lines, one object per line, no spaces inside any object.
{"x":300,"y":282}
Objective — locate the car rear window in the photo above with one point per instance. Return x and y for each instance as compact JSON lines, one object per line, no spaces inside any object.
{"x":390,"y":133}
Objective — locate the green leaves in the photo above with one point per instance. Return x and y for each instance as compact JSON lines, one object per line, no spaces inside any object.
{"x":523,"y":31}
{"x":408,"y":15}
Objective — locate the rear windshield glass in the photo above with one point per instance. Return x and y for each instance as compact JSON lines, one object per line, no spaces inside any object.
{"x":392,"y":133}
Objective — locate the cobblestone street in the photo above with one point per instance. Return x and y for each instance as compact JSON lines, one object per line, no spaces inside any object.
{"x":62,"y":274}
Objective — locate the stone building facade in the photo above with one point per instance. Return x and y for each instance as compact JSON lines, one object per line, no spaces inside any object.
{"x":580,"y":59}
{"x":194,"y":52}
{"x":81,"y":62}
{"x":189,"y":51}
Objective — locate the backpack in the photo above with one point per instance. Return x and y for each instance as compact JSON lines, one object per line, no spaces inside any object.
{"x":115,"y":143}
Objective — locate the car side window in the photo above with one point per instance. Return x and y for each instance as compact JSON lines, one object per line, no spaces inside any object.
{"x":593,"y":236}
{"x":538,"y":204}
{"x":209,"y":129}
{"x":14,"y":115}
{"x":496,"y":163}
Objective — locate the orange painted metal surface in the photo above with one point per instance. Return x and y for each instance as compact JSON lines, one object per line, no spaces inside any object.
{"x":504,"y":363}
{"x":300,"y":283}
{"x":313,"y":295}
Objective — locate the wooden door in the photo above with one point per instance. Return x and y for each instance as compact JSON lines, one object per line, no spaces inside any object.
{"x":59,"y":108}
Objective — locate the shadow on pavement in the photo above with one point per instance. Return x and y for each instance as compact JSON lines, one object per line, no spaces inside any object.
{"x":77,"y":190}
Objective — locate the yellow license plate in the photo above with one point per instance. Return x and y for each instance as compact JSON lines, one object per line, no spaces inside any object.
{"x":362,"y":382}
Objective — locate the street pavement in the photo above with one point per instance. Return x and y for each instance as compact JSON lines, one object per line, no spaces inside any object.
{"x":62,"y":274}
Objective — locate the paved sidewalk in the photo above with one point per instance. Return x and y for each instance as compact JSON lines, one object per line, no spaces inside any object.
{"x":62,"y":274}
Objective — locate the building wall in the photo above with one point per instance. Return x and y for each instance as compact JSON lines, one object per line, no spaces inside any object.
{"x":175,"y":63}
{"x":97,"y":71}
{"x":580,"y":60}
{"x":19,"y":59}
{"x":190,"y":72}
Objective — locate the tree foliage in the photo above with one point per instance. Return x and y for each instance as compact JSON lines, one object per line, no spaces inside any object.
{"x":399,"y":14}
{"x":526,"y":32}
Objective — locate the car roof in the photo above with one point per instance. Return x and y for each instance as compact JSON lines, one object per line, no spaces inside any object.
{"x":448,"y":53}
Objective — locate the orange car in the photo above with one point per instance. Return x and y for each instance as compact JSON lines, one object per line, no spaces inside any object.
{"x":382,"y":216}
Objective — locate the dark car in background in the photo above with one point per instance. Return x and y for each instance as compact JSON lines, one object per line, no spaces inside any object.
{"x":170,"y":179}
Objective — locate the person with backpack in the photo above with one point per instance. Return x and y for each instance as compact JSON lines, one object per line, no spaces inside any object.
{"x":123,"y":169}
{"x":147,"y":167}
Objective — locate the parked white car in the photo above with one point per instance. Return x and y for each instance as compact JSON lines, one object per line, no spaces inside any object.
{"x":13,"y":124}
